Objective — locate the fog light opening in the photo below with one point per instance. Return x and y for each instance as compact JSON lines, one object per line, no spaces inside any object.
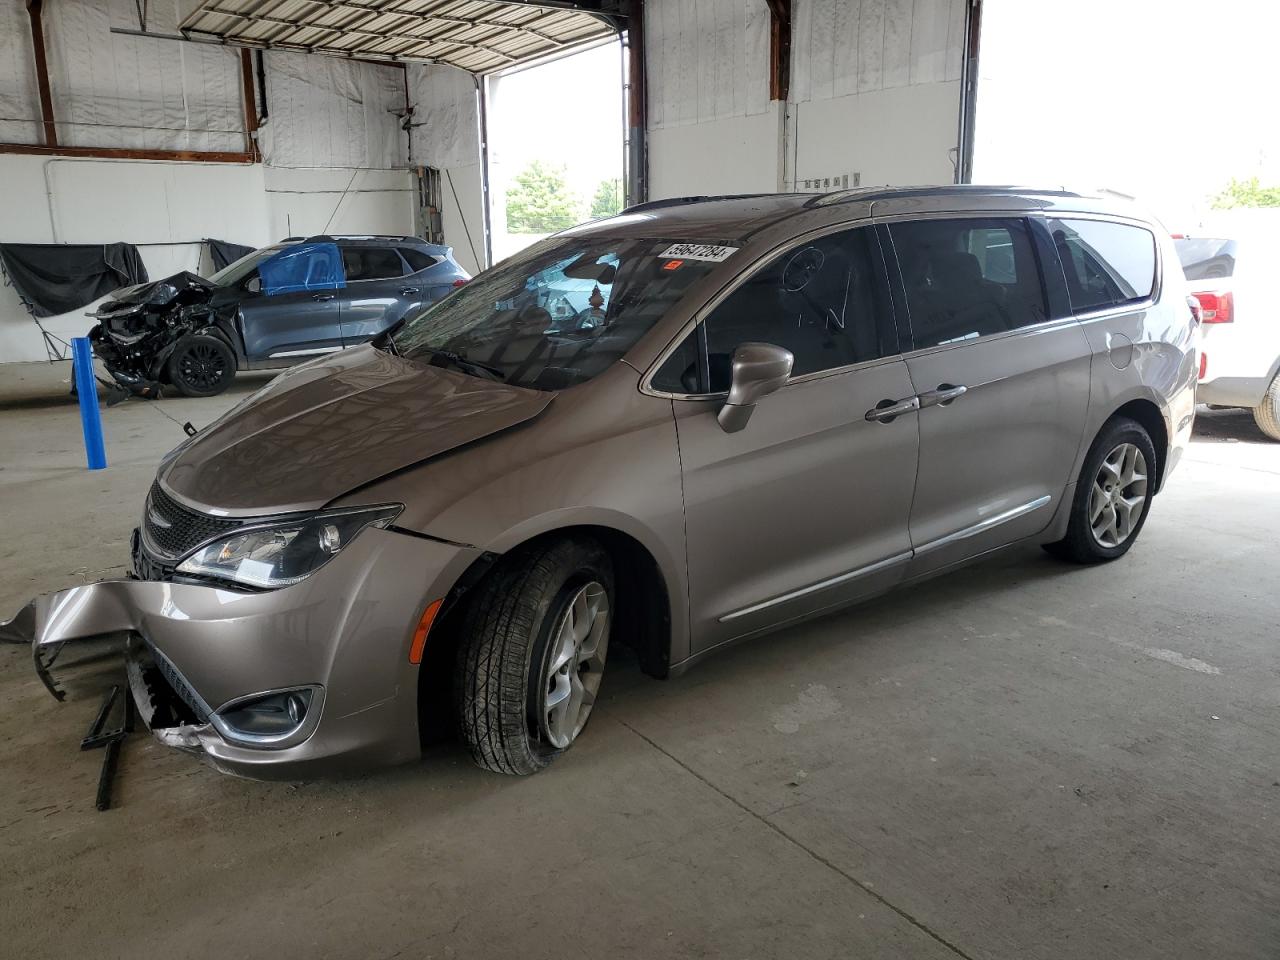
{"x":274,"y":718}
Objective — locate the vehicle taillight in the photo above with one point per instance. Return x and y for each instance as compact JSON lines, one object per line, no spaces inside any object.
{"x":1216,"y":307}
{"x":459,"y":283}
{"x":1204,"y":364}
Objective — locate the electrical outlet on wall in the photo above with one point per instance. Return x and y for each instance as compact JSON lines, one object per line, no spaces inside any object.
{"x":841,"y":181}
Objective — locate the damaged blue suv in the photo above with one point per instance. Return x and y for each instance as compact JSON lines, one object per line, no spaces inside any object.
{"x":275,"y":307}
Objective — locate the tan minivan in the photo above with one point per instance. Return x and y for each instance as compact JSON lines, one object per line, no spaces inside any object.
{"x":677,"y":428}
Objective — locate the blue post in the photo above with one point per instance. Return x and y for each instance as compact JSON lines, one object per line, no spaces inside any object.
{"x":87,"y":391}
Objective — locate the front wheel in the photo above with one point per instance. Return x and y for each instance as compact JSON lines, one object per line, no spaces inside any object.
{"x":535,"y":635}
{"x":1113,"y":495}
{"x":201,"y":366}
{"x":1267,"y":413}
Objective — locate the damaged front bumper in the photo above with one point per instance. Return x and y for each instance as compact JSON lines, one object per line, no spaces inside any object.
{"x":206,"y":664}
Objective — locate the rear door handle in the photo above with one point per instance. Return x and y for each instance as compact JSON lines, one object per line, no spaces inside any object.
{"x":408,"y":291}
{"x":322,"y":296}
{"x":886,"y":411}
{"x":945,"y":393}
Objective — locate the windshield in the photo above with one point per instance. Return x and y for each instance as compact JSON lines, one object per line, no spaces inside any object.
{"x":557,"y":314}
{"x":233,"y":273}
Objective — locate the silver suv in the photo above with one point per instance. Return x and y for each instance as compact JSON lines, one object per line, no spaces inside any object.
{"x":762,"y":409}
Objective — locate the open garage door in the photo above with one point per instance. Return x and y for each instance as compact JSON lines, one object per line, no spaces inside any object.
{"x":879,"y":92}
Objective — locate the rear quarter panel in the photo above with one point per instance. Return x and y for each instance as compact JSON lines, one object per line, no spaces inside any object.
{"x":1146,"y":354}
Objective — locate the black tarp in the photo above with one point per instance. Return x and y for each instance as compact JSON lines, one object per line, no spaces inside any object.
{"x":223,"y":252}
{"x":54,"y":278}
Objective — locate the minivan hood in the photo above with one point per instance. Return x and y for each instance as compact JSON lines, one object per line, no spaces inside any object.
{"x":322,"y":430}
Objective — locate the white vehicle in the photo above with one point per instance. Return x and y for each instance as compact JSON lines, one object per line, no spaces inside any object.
{"x":1240,"y":325}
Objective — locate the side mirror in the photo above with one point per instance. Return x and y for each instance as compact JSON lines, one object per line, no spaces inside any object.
{"x":758,"y":369}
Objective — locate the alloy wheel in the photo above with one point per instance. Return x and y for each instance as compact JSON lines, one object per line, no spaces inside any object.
{"x":1119,"y":495}
{"x":579,"y":643}
{"x":202,"y":366}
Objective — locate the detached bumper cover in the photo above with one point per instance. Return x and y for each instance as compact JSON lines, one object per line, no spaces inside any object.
{"x":347,"y":628}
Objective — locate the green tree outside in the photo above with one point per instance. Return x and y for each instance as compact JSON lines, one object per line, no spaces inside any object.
{"x":1247,"y":193}
{"x":608,"y":199}
{"x":539,"y":201}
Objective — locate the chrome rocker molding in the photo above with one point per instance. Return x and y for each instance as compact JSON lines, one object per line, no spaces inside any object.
{"x":977,"y":528}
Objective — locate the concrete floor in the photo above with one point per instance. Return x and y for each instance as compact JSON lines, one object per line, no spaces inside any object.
{"x":1022,"y":760}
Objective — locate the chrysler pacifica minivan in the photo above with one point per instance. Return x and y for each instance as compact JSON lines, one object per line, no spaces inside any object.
{"x":777,"y":406}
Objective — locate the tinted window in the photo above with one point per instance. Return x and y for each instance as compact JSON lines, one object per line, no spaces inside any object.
{"x":372,"y":263}
{"x":417,"y":260}
{"x":1205,"y":259}
{"x":822,"y":301}
{"x":679,"y":373}
{"x":968,"y":278}
{"x":1105,"y":263}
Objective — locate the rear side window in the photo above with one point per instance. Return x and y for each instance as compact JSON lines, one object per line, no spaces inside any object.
{"x":372,"y":263}
{"x":966,"y":278}
{"x":416,"y":259}
{"x":1105,"y":264}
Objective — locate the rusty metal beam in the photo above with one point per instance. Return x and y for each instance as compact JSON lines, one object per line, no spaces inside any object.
{"x":123,"y":153}
{"x":250,"y":104}
{"x":34,"y":11}
{"x":779,"y":49}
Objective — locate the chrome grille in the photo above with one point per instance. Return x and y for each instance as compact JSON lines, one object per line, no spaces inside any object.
{"x":172,"y":530}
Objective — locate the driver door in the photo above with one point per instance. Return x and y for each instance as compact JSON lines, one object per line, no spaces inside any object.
{"x":296,"y":312}
{"x":807,"y":507}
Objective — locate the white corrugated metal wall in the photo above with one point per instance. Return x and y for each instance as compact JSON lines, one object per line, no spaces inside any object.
{"x":875,"y":92}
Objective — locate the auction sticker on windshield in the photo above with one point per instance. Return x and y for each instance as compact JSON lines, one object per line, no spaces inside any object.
{"x":698,"y":251}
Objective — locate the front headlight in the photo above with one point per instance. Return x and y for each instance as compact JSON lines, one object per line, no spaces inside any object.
{"x":278,"y":554}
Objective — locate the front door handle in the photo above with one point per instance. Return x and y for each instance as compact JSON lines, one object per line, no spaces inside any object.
{"x":322,"y":296}
{"x":945,"y":393}
{"x":408,"y":291}
{"x":886,"y":411}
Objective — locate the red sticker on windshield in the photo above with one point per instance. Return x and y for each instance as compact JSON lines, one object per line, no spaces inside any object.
{"x":673,"y":265}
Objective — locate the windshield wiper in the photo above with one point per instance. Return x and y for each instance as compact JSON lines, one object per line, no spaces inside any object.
{"x":460,"y":362}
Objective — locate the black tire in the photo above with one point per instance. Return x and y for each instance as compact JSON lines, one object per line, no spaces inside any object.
{"x":505,"y":649}
{"x":1267,"y":414}
{"x":201,"y":366}
{"x":1080,"y":545}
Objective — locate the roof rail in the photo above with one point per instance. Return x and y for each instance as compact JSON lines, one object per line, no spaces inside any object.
{"x":706,"y":198}
{"x":865,"y":194}
{"x":329,"y":237}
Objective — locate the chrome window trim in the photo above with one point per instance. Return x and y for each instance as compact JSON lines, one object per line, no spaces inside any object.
{"x":820,"y":585}
{"x":744,"y":273}
{"x":1045,"y":326}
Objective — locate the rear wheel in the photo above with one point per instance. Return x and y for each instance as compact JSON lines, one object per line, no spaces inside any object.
{"x":1267,"y":413}
{"x":535,"y":635}
{"x":1113,"y":495}
{"x":201,"y":366}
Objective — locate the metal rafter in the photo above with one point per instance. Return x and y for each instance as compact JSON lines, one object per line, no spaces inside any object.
{"x":396,"y":8}
{"x":297,"y":26}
